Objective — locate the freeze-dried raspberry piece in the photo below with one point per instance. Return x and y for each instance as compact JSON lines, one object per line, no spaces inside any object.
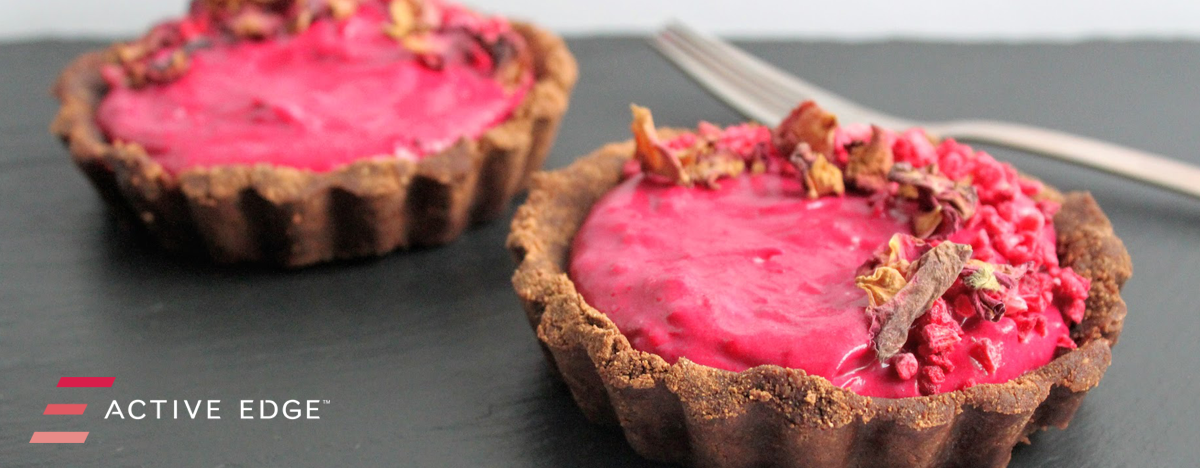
{"x":995,"y":182}
{"x":905,"y":365}
{"x":939,"y":338}
{"x":955,"y":160}
{"x":930,"y":380}
{"x":1071,"y":294}
{"x":913,"y":147}
{"x":987,"y":354}
{"x":941,"y":360}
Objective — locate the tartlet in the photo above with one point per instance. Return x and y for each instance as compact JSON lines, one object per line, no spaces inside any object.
{"x":235,"y":208}
{"x":768,"y":415}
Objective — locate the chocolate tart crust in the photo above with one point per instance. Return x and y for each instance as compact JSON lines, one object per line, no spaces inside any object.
{"x":774,"y":416}
{"x":293,"y":217}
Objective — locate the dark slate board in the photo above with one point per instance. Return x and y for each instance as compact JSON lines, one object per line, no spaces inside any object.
{"x":425,"y":356}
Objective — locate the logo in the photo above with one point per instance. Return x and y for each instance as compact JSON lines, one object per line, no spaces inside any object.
{"x":70,"y":409}
{"x":138,"y":409}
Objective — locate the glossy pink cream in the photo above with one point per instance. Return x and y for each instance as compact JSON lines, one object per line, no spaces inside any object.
{"x":755,"y":273}
{"x":339,"y":92}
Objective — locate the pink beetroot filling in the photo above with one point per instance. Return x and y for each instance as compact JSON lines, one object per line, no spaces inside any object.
{"x":754,"y":273}
{"x":339,"y":92}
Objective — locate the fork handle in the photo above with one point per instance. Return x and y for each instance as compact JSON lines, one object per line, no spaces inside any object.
{"x":1115,"y":159}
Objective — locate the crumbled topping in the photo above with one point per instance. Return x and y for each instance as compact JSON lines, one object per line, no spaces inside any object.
{"x":987,"y":354}
{"x":807,"y":123}
{"x":342,"y":9}
{"x":699,"y":158}
{"x":404,"y":18}
{"x":931,"y":275}
{"x":905,"y":365}
{"x":656,"y":158}
{"x":868,"y":165}
{"x":434,"y":32}
{"x":820,"y":177}
{"x":881,"y":285}
{"x":1071,"y":292}
{"x":899,"y":252}
{"x":991,"y":289}
{"x":944,"y":204}
{"x":995,"y":255}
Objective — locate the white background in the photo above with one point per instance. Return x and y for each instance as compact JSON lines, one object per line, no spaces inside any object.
{"x":983,"y":20}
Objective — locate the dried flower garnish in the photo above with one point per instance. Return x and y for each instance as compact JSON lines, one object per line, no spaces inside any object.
{"x":807,"y":123}
{"x":706,"y":166}
{"x":656,"y":158}
{"x":819,"y":175}
{"x":342,"y":9}
{"x":992,"y":288}
{"x":404,"y":19}
{"x":881,"y":285}
{"x":824,"y":178}
{"x":899,"y":252}
{"x":931,"y":275}
{"x":232,"y":5}
{"x":253,"y":23}
{"x":869,"y":164}
{"x":701,"y":162}
{"x":436,"y":34}
{"x":301,"y":20}
{"x":944,"y":204}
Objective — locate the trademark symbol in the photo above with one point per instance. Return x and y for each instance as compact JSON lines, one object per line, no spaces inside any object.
{"x":325,"y":402}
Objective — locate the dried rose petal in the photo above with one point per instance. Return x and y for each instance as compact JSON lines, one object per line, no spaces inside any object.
{"x":932,"y":274}
{"x":707,"y":167}
{"x":991,"y":288}
{"x":868,"y":165}
{"x":301,"y":20}
{"x":254,"y":23}
{"x":899,"y":252}
{"x":403,"y":16}
{"x":685,"y":160}
{"x":656,"y":159}
{"x":881,"y":285}
{"x":342,"y":9}
{"x":944,"y":204}
{"x":823,"y":179}
{"x":807,"y":123}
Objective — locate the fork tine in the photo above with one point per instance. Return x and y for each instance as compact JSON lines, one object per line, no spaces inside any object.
{"x":715,"y":59}
{"x":789,"y":87}
{"x":749,"y":100}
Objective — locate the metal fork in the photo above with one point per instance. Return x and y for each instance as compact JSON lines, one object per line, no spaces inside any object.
{"x":765,"y":93}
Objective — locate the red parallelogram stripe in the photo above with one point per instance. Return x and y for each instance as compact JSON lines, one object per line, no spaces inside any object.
{"x":65,"y":409}
{"x":86,"y":382}
{"x":58,"y":437}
